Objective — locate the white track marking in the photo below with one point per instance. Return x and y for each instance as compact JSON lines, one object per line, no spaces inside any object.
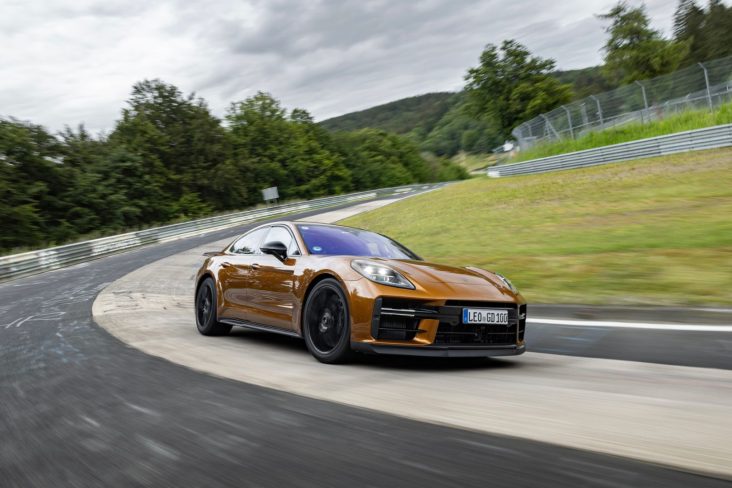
{"x":632,"y":325}
{"x":13,"y":322}
{"x":24,"y":321}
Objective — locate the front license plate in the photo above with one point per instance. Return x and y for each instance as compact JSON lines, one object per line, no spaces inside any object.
{"x":489,"y":316}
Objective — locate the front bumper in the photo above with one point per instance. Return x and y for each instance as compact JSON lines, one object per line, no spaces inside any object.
{"x":440,"y":351}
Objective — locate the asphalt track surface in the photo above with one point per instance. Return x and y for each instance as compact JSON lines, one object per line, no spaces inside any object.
{"x":79,"y":408}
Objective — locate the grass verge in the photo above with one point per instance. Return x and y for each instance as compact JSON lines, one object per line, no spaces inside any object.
{"x":696,"y":119}
{"x":654,"y":231}
{"x":474,"y":162}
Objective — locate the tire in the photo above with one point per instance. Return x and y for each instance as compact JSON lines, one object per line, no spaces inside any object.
{"x":205,"y":310}
{"x":326,"y":323}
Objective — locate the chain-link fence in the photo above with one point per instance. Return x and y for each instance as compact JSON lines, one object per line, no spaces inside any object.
{"x":701,"y":86}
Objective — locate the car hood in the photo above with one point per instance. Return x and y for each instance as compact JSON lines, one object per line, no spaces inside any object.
{"x":424,"y":272}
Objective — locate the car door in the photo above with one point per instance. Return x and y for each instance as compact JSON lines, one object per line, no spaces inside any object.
{"x":235,"y":274}
{"x":271,"y":285}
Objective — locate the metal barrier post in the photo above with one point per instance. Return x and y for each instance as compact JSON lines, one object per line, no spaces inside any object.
{"x":549,"y":124}
{"x":599,"y":109}
{"x":569,"y":120}
{"x":645,"y":101}
{"x":706,"y":80}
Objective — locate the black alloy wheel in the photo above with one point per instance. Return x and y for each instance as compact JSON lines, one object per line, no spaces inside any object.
{"x":326,"y":323}
{"x":206,"y":320}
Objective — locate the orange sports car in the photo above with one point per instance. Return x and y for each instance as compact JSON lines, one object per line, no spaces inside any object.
{"x":344,"y":289}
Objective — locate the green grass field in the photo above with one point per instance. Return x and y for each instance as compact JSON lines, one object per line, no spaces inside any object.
{"x":654,"y":231}
{"x":696,"y":119}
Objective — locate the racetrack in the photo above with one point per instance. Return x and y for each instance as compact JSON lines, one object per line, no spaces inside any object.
{"x":81,"y":408}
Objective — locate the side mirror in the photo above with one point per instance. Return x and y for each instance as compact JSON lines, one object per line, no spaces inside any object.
{"x":276,"y":249}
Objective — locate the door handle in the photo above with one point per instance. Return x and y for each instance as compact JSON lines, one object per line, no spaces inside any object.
{"x":225,"y":264}
{"x":255,"y":266}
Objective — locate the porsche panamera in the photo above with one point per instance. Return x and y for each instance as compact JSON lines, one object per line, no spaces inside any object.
{"x":346,"y":290}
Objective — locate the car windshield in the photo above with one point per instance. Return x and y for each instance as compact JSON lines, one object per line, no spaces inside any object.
{"x":325,"y":240}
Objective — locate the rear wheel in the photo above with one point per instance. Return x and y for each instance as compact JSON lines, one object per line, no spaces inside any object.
{"x":206,"y":320}
{"x":326,"y":322}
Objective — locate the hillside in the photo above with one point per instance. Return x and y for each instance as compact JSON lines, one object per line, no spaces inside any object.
{"x":438,"y":123}
{"x":654,"y":231}
{"x":585,"y":81}
{"x":400,"y":116}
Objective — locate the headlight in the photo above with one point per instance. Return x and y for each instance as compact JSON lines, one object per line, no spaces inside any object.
{"x":380,"y":273}
{"x":507,"y":282}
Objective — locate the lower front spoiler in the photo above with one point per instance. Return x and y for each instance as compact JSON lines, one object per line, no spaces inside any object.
{"x":440,"y":351}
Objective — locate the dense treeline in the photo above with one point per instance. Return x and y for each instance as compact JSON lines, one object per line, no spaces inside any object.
{"x":169,"y":158}
{"x":706,"y":29}
{"x":510,"y":86}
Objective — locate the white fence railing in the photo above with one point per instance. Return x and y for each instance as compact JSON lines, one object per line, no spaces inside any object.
{"x":28,"y":263}
{"x":693,"y":140}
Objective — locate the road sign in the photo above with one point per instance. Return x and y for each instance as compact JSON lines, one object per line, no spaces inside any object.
{"x":270,"y":194}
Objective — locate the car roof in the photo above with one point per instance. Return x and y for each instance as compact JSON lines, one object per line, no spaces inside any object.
{"x":306,"y":222}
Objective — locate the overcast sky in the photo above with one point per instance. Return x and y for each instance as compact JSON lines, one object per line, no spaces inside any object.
{"x":68,"y":62}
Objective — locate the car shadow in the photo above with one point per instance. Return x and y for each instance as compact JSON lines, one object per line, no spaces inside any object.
{"x":272,"y":339}
{"x":433,"y":364}
{"x":416,"y":363}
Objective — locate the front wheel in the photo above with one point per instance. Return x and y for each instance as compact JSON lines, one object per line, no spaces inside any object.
{"x":206,"y":320}
{"x":326,"y":322}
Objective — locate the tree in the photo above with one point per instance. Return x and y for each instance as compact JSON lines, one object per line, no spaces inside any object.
{"x":585,"y":81}
{"x":511,"y":86}
{"x":176,"y":135}
{"x":271,"y":149}
{"x":318,"y":169}
{"x":377,"y":158}
{"x":635,"y":51}
{"x":259,"y":140}
{"x":458,"y":130}
{"x":82,"y":156}
{"x":708,"y":31}
{"x":33,"y":181}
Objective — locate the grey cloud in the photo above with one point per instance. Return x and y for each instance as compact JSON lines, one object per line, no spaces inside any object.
{"x":76,"y":61}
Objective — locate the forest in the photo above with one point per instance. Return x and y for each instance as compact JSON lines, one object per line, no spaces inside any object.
{"x":168,"y":159}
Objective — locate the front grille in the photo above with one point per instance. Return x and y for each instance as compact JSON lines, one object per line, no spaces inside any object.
{"x":475,"y":334}
{"x":391,"y":326}
{"x":397,"y":328}
{"x":397,"y":319}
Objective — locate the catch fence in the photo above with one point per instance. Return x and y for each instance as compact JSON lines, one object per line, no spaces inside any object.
{"x":700,"y":86}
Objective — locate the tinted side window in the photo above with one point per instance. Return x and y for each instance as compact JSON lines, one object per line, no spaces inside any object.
{"x":285,"y":237}
{"x":249,"y":244}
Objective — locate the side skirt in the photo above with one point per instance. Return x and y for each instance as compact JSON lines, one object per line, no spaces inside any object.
{"x":262,"y":327}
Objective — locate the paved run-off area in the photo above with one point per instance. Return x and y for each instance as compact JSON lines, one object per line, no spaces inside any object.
{"x":664,"y":414}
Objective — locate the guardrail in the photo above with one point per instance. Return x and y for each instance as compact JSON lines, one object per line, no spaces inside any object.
{"x":693,"y":140}
{"x":28,"y":263}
